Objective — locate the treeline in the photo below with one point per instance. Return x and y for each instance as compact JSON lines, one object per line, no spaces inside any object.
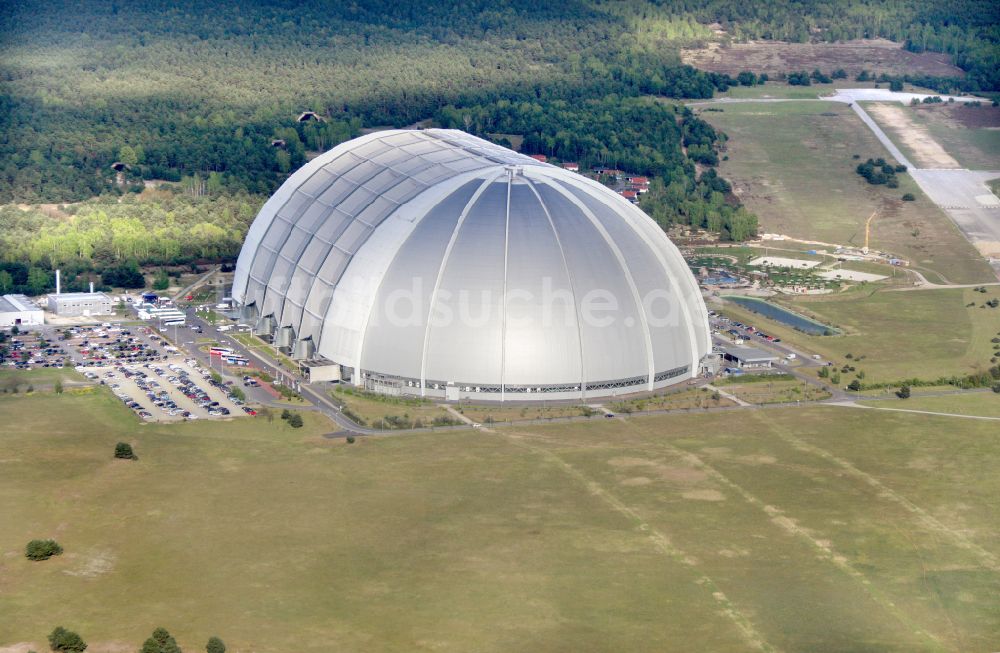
{"x":106,"y":241}
{"x":638,"y":135}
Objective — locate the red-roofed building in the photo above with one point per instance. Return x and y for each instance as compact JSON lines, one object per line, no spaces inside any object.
{"x":630,"y":195}
{"x":572,"y":167}
{"x":539,"y":157}
{"x":638,"y":181}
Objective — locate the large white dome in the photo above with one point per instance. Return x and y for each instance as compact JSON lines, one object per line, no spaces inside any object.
{"x":427,"y":260}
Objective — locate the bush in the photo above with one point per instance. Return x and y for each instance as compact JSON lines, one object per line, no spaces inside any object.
{"x":909,"y":197}
{"x":903,"y":392}
{"x":285,"y":414}
{"x":61,"y":639}
{"x":996,"y":388}
{"x":350,"y":439}
{"x":160,"y":642}
{"x":124,"y":451}
{"x":295,"y":421}
{"x":42,"y":550}
{"x":854,"y":385}
{"x":215,"y":645}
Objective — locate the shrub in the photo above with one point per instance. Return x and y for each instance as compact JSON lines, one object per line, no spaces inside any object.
{"x":215,"y":645}
{"x":160,"y":642}
{"x":903,"y":392}
{"x":854,"y":385}
{"x":61,"y":639}
{"x":124,"y":451}
{"x":42,"y":550}
{"x":996,"y":388}
{"x":285,"y":414}
{"x":909,"y":197}
{"x":58,"y":387}
{"x":354,"y":417}
{"x":350,"y":439}
{"x":295,"y":421}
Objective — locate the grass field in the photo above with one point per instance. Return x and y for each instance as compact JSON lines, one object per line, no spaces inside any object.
{"x":971,"y":135}
{"x":792,"y":164}
{"x":901,"y":335}
{"x":43,"y":377}
{"x":770,"y":389}
{"x":377,"y":411}
{"x":503,"y":413}
{"x":982,"y":404}
{"x":818,"y":529}
{"x":681,"y":400}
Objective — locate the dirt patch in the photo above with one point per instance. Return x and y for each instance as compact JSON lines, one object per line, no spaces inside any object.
{"x":637,"y":480}
{"x":962,"y":116}
{"x":20,"y":647}
{"x":671,"y":473}
{"x":91,"y":566}
{"x":704,"y":495}
{"x":774,"y":57}
{"x":628,"y":461}
{"x":758,"y":459}
{"x":927,"y":152}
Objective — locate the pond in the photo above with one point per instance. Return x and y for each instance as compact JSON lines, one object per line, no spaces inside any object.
{"x":783,"y":315}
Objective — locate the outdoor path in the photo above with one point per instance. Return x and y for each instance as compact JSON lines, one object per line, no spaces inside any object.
{"x":852,"y":404}
{"x":727,"y":395}
{"x":924,"y":284}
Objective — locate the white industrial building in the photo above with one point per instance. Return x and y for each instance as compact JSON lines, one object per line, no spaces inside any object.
{"x":18,"y":310}
{"x":76,"y":304}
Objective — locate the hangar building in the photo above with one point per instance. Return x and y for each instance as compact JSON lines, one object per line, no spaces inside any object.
{"x":437,"y":264}
{"x":17,"y":310}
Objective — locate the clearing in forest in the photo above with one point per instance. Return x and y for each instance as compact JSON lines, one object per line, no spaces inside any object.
{"x":774,"y":57}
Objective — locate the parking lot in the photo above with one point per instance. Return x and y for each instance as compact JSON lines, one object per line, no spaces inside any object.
{"x":32,"y":350}
{"x":172,"y":390}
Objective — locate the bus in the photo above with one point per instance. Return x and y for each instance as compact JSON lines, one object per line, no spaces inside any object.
{"x":220,"y":351}
{"x":237,"y":360}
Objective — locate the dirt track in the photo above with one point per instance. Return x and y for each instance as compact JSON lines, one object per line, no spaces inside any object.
{"x":926,"y":151}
